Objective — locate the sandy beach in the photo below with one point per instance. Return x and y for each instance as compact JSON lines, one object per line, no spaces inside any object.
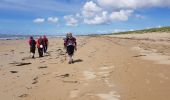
{"x":110,"y":67}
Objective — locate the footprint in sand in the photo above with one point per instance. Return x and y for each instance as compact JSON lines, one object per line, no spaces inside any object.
{"x":110,"y":96}
{"x":6,"y":54}
{"x":74,"y":93}
{"x":42,"y":61}
{"x":12,"y":50}
{"x":107,"y":67}
{"x":28,"y":88}
{"x":22,"y":52}
{"x":89,"y":75}
{"x":105,"y":72}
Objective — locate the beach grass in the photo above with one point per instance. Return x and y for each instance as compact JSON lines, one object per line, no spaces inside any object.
{"x":151,"y":30}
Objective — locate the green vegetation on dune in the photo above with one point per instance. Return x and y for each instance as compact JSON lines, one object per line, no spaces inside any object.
{"x":151,"y":30}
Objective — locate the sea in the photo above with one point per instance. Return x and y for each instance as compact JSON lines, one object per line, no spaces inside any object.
{"x":22,"y":37}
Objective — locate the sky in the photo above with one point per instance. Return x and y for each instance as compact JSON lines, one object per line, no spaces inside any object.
{"x":56,"y":17}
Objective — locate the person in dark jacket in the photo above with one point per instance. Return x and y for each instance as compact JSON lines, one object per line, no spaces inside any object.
{"x":70,"y":45}
{"x":40,"y":44}
{"x":32,"y":44}
{"x":45,"y":40}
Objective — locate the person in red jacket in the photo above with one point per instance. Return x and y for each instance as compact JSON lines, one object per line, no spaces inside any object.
{"x":32,"y":44}
{"x":40,"y":44}
{"x":45,"y":40}
{"x":70,"y":45}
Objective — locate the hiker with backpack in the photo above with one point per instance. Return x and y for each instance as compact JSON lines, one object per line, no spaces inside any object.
{"x":32,"y":44}
{"x":45,"y":46}
{"x":70,"y":45}
{"x":40,"y":45}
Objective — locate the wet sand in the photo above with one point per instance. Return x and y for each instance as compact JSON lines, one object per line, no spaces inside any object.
{"x":133,"y":67}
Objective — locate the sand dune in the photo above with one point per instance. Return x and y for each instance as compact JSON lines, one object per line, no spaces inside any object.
{"x":133,"y":67}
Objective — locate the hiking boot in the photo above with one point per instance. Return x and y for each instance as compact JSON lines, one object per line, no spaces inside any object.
{"x":69,"y":62}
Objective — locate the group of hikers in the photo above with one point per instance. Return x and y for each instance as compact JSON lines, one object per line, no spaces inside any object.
{"x":42,"y":43}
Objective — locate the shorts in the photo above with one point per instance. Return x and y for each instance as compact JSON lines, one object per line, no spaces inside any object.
{"x":32,"y":49}
{"x":70,"y":50}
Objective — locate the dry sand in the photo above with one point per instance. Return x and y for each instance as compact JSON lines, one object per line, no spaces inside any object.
{"x":133,"y":67}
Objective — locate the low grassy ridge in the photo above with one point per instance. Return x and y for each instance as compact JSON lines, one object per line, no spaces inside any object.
{"x":151,"y":30}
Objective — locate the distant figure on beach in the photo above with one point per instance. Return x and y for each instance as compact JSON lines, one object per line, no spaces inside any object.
{"x":32,"y":44}
{"x":40,"y":46}
{"x":70,"y":45}
{"x":45,"y":40}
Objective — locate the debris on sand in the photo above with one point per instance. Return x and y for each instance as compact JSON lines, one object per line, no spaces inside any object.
{"x":35,"y":80}
{"x":12,"y":50}
{"x":139,"y":55}
{"x":20,"y":63}
{"x":14,"y":71}
{"x":42,"y":67}
{"x":22,"y":59}
{"x":64,"y":75}
{"x":70,"y":81}
{"x":23,"y":95}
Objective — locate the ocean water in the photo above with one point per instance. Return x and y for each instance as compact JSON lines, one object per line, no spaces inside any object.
{"x":20,"y":37}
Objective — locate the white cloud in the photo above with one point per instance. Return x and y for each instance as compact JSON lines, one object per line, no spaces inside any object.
{"x":95,"y":14}
{"x":91,"y":6}
{"x":39,"y":20}
{"x":133,"y":4}
{"x":122,"y":15}
{"x":98,"y":19}
{"x":52,"y":19}
{"x":90,"y":9}
{"x":104,"y":17}
{"x":71,"y":21}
